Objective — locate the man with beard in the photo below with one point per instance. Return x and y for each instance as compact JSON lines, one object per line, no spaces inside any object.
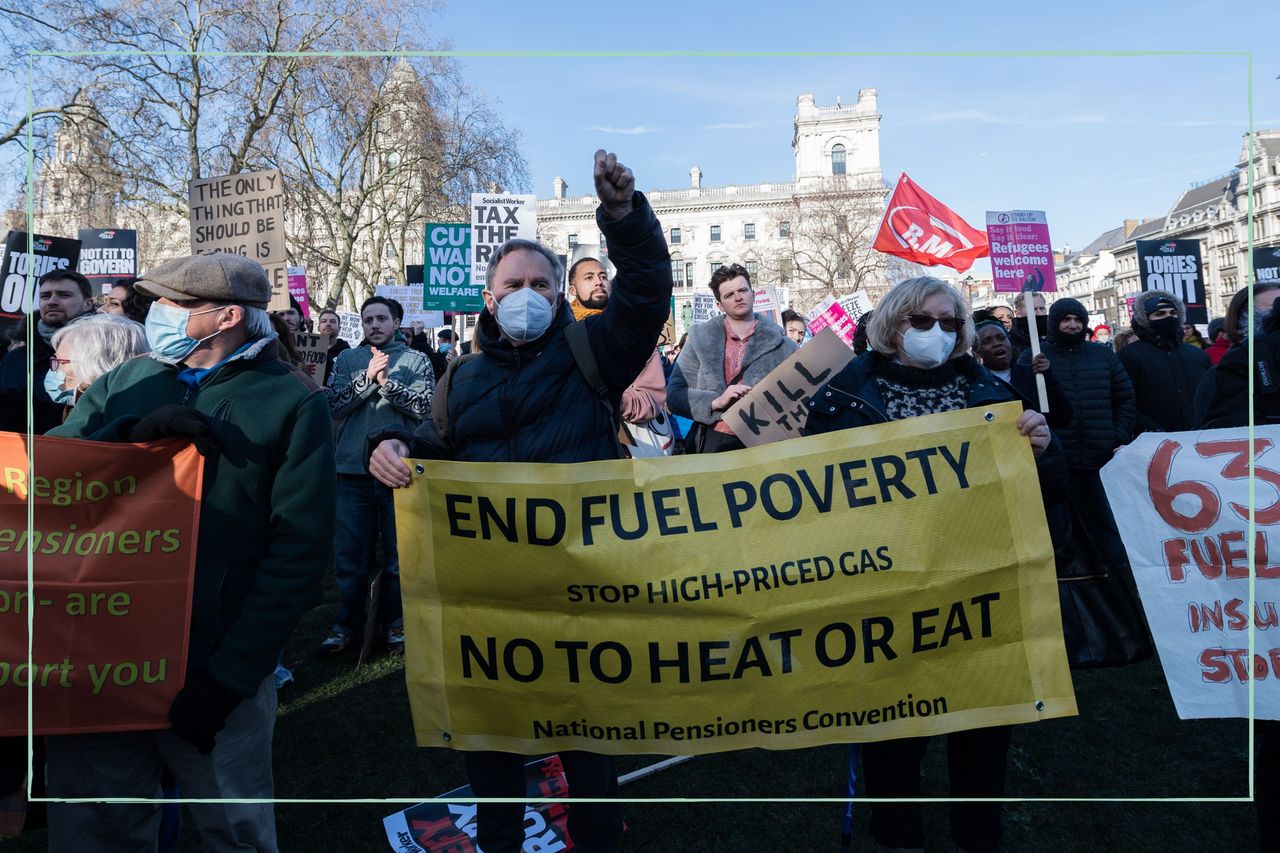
{"x":644,"y":399}
{"x":65,"y":296}
{"x":329,"y":323}
{"x":378,"y":385}
{"x":1165,"y":372}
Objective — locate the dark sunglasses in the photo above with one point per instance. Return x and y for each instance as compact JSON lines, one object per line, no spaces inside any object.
{"x":924,"y":322}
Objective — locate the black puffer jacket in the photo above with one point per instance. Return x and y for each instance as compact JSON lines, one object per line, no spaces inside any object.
{"x":532,"y":403}
{"x":1165,"y":374}
{"x":1100,"y":392}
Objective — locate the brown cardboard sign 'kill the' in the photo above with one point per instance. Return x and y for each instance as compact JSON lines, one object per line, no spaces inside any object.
{"x":777,"y":407}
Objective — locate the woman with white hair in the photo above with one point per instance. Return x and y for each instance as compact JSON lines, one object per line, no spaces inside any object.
{"x":87,"y":349}
{"x":921,"y":334}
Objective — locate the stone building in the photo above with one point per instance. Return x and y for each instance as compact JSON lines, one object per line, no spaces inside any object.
{"x":810,"y":235}
{"x":1105,"y":275}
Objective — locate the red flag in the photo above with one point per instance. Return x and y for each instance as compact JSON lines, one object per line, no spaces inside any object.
{"x":918,"y":227}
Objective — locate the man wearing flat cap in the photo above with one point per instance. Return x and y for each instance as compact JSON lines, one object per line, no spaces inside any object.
{"x":214,"y":377}
{"x":1165,"y":372}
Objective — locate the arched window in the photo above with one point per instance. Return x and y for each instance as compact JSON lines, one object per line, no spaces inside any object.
{"x":837,"y":159}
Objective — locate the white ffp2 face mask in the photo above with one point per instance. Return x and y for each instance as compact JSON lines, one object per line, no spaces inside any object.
{"x":524,"y":315}
{"x":930,"y":348}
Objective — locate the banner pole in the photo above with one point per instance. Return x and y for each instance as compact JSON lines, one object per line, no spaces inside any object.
{"x":1033,"y":329}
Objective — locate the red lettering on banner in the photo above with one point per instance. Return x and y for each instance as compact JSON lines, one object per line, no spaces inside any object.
{"x":1163,"y":493}
{"x":1219,"y":665}
{"x":1237,"y":468}
{"x":1215,"y":555}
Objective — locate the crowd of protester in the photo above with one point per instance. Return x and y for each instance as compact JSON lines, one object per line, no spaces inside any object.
{"x":190,"y":350}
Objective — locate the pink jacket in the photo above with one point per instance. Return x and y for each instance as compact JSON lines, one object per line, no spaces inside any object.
{"x":647,"y":396}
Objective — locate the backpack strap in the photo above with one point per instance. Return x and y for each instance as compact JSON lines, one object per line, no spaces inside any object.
{"x":580,"y":346}
{"x":440,"y":396}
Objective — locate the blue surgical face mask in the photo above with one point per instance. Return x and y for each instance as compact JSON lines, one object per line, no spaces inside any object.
{"x":446,"y":347}
{"x":166,"y":329}
{"x":525,"y":315}
{"x":53,"y":382}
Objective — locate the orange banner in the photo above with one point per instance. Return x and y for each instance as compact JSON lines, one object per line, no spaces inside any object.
{"x":113,"y":544}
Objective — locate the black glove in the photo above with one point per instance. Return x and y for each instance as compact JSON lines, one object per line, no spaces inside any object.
{"x":200,"y":710}
{"x":175,"y":421}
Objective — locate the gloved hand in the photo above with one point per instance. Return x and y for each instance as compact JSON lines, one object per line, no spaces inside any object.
{"x":200,"y":710}
{"x":175,"y":421}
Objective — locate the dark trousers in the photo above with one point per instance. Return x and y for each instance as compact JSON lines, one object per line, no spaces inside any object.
{"x":718,"y":442}
{"x":1092,"y":510}
{"x":594,"y":827}
{"x":976,"y":767}
{"x":365,"y":511}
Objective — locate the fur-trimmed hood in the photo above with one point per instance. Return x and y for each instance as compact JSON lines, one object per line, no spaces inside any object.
{"x":1146,"y":301}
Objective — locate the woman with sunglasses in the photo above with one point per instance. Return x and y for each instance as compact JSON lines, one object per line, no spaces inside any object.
{"x":919,"y":364}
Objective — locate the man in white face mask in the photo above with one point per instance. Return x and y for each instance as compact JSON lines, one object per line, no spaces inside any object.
{"x":526,"y":398}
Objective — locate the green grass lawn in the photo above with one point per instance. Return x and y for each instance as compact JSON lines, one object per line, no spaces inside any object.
{"x":344,"y":733}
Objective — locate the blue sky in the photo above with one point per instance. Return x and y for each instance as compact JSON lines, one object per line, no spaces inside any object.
{"x":1092,"y":140}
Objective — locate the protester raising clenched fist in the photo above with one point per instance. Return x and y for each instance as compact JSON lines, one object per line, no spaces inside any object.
{"x":614,"y":184}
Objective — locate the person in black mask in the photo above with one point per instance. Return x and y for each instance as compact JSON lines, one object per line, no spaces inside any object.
{"x":1165,"y":372}
{"x":1019,"y":334}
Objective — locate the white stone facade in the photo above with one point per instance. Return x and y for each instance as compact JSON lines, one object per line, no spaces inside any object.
{"x":836,"y":148}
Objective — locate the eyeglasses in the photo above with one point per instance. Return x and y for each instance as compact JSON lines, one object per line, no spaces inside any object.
{"x":56,"y":363}
{"x":924,"y":322}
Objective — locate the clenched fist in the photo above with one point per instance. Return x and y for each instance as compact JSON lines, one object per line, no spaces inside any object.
{"x":614,"y":184}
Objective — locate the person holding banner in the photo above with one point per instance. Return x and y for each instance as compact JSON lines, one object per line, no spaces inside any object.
{"x":723,"y":359}
{"x":1165,"y":371}
{"x":919,"y":364}
{"x":526,"y":397}
{"x":213,"y":378}
{"x":65,"y":297}
{"x":1020,"y":331}
{"x":1224,"y":392}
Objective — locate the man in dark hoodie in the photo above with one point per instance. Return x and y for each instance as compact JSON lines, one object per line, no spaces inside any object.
{"x":1165,"y":372}
{"x":1102,"y":417}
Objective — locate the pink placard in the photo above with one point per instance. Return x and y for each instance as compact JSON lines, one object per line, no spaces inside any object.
{"x":1021,"y":253}
{"x":298,"y":290}
{"x":838,"y":320}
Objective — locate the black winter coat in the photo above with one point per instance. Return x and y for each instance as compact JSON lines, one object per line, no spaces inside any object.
{"x":532,"y":403}
{"x":1226,"y":388}
{"x":13,"y":390}
{"x":1165,"y":378}
{"x":852,"y":399}
{"x":1101,"y":395}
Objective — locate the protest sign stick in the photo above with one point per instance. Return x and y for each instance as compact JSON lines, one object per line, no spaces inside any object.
{"x":1029,"y":300}
{"x":649,"y":770}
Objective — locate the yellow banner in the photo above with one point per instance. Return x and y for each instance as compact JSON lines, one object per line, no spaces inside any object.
{"x":883,"y":582}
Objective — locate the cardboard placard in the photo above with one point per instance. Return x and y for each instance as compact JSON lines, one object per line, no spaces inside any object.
{"x":313,"y":350}
{"x":243,"y":214}
{"x":447,"y":283}
{"x":778,"y":406}
{"x":350,"y":328}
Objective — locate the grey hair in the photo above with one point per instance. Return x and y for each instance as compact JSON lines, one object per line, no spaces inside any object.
{"x":908,"y":297}
{"x":257,"y":323}
{"x":100,"y":342}
{"x":518,"y":245}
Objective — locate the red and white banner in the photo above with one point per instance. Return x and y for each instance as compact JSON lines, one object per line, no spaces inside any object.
{"x":921,"y":229}
{"x":1181,"y":501}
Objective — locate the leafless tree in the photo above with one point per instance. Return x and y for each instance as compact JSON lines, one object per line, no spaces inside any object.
{"x":826,"y":244}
